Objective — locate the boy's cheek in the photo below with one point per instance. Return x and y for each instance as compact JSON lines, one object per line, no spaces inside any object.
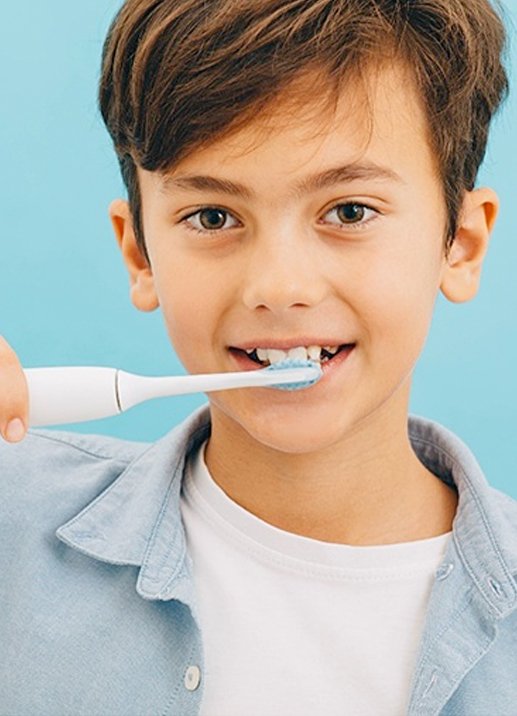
{"x":190,"y":335}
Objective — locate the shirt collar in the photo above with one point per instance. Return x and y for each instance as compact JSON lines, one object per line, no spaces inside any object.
{"x":136,"y":521}
{"x":484,"y":527}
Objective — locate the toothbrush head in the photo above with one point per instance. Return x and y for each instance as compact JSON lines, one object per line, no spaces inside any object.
{"x":289,"y":363}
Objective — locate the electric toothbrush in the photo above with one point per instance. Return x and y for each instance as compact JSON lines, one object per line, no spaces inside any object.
{"x":73,"y":394}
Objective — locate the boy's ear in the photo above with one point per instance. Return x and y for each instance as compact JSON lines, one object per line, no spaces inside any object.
{"x":141,"y":280}
{"x":462,"y":269}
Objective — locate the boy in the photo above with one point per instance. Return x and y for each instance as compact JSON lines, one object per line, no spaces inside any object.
{"x":301,"y":178}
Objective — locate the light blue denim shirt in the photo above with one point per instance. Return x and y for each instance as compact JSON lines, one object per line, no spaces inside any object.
{"x":98,"y":613}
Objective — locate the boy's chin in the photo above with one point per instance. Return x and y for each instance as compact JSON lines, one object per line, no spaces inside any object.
{"x":296,"y":437}
{"x":293,"y":429}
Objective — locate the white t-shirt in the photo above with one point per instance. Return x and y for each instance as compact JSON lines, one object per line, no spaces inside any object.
{"x":297,"y":627}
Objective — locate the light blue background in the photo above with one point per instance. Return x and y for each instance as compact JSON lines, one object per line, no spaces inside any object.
{"x":64,"y":291}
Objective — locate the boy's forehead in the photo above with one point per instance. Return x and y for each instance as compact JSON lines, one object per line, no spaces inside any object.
{"x":374,"y":120}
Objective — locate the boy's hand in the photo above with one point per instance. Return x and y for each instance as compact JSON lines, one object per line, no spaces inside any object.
{"x":14,"y":395}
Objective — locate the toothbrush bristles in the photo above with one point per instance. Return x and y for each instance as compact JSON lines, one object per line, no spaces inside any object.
{"x":290,"y":363}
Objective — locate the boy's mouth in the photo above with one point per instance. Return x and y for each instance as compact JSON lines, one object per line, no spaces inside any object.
{"x":264,"y":356}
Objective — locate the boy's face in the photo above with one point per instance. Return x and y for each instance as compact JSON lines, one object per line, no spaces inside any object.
{"x":354,"y":262}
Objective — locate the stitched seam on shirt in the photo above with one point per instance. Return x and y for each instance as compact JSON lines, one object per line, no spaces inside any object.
{"x":295,"y":565}
{"x":494,"y":544}
{"x":472,"y":662}
{"x":81,"y":449}
{"x":438,"y":636}
{"x":159,"y":520}
{"x":151,"y":542}
{"x":95,"y":555}
{"x":170,"y":702}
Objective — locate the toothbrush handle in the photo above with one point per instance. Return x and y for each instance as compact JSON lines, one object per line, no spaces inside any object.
{"x":71,"y":394}
{"x":74,"y":394}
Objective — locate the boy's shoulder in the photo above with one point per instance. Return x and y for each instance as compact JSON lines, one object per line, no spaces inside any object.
{"x":59,"y":471}
{"x":57,"y":451}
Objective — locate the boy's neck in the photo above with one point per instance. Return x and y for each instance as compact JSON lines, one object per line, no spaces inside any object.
{"x":350,"y":494}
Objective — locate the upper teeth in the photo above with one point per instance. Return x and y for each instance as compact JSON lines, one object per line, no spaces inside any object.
{"x":274,"y":355}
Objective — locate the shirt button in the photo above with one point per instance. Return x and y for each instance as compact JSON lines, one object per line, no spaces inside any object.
{"x":444,"y":571}
{"x":192,"y":678}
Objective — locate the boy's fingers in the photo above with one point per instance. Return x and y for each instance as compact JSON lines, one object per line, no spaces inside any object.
{"x":14,"y":394}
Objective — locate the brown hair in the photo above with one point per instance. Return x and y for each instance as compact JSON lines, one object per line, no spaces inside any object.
{"x":178,"y":73}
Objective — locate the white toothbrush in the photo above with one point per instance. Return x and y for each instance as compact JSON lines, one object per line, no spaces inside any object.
{"x":74,"y":394}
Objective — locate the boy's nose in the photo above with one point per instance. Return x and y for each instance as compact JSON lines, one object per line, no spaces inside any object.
{"x":283,"y":275}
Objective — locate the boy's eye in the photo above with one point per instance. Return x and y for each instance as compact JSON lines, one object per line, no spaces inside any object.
{"x":209,"y":219}
{"x":352,"y":213}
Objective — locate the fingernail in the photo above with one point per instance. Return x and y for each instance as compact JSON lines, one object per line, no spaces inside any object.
{"x":15,"y":430}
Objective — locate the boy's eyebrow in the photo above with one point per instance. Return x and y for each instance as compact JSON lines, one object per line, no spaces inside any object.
{"x":336,"y":175}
